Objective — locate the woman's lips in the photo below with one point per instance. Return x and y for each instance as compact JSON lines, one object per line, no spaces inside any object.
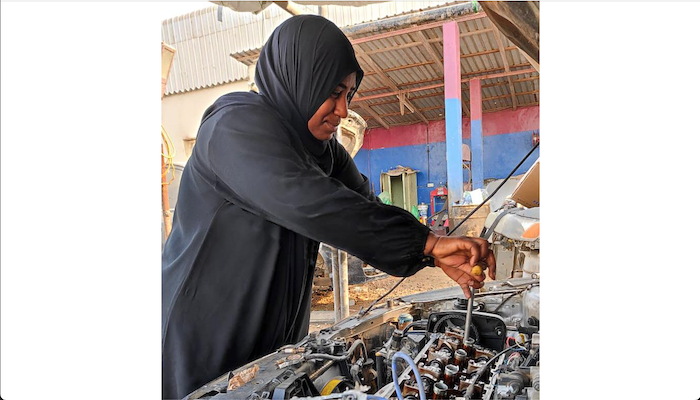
{"x":331,"y":126}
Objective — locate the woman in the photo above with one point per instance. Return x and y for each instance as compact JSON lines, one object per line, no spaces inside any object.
{"x":267,"y":182}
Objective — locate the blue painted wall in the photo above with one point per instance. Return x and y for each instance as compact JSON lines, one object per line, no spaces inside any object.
{"x":501,"y":153}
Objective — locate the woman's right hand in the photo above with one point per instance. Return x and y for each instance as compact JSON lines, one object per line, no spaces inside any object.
{"x":457,"y":255}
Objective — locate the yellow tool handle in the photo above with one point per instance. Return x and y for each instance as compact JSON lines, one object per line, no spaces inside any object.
{"x":477,"y":271}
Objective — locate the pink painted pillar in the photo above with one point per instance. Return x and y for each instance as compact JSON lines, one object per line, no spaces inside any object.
{"x":453,"y":111}
{"x":477,"y":140}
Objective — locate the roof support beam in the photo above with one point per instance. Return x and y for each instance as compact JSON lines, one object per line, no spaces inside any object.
{"x":468,"y":74}
{"x":392,"y":48}
{"x":503,"y":96}
{"x":437,"y":61}
{"x":493,"y":110}
{"x":382,"y":103}
{"x":396,"y":114}
{"x":506,"y":65}
{"x":387,"y":80}
{"x":514,"y":81}
{"x":532,"y":61}
{"x":403,"y":67}
{"x":483,"y":53}
{"x":465,"y":34}
{"x":536,"y":103}
{"x":431,"y":51}
{"x":373,"y":113}
{"x":453,"y":111}
{"x":511,"y":73}
{"x":477,"y":139}
{"x":439,"y":85}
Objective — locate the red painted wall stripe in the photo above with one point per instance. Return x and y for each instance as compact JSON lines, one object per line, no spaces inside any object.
{"x":498,"y":123}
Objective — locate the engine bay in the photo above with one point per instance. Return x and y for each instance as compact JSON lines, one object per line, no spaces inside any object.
{"x":413,"y":345}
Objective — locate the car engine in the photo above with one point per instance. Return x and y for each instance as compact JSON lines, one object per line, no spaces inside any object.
{"x":413,"y":345}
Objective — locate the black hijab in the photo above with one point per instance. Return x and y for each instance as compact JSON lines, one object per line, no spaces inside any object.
{"x":303,"y":61}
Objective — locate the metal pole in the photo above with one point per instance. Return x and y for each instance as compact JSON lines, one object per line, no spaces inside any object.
{"x":470,"y":306}
{"x":335,"y":266}
{"x":344,"y":290}
{"x":341,"y":302}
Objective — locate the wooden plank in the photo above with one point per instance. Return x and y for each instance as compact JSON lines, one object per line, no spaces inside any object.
{"x":415,"y":122}
{"x":385,"y":78}
{"x":506,"y":65}
{"x":481,"y":53}
{"x":465,"y":34}
{"x":398,"y":113}
{"x":366,"y":107}
{"x":420,"y":64}
{"x":514,"y":81}
{"x":485,"y":99}
{"x":505,"y":96}
{"x":507,"y":107}
{"x":365,"y":91}
{"x":532,"y":78}
{"x":438,"y":85}
{"x":511,"y":73}
{"x":407,"y":66}
{"x":415,"y":44}
{"x":431,"y":51}
{"x":398,"y":47}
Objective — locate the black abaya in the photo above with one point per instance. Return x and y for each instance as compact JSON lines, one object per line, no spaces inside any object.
{"x":256,"y":197}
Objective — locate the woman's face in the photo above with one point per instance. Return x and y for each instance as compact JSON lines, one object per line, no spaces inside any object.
{"x":327,"y":118}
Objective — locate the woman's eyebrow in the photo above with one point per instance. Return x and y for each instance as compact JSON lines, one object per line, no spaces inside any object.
{"x":342,"y":85}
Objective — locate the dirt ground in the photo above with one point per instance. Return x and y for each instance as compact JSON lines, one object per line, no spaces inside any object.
{"x":364,"y":294}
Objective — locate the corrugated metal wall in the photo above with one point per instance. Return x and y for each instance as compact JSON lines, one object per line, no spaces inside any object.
{"x":204,"y":43}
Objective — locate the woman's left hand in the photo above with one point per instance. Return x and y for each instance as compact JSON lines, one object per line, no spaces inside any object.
{"x":456,"y":256}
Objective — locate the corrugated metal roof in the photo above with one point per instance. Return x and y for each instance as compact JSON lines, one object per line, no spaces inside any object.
{"x":347,"y":16}
{"x":407,"y":62}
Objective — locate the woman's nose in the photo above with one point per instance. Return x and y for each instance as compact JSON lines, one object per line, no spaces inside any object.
{"x":341,"y":108}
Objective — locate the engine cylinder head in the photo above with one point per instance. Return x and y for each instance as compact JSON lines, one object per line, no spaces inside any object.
{"x":437,"y":364}
{"x":444,"y":354}
{"x":428,"y":384}
{"x":461,"y":358}
{"x":440,"y":391}
{"x":450,"y":372}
